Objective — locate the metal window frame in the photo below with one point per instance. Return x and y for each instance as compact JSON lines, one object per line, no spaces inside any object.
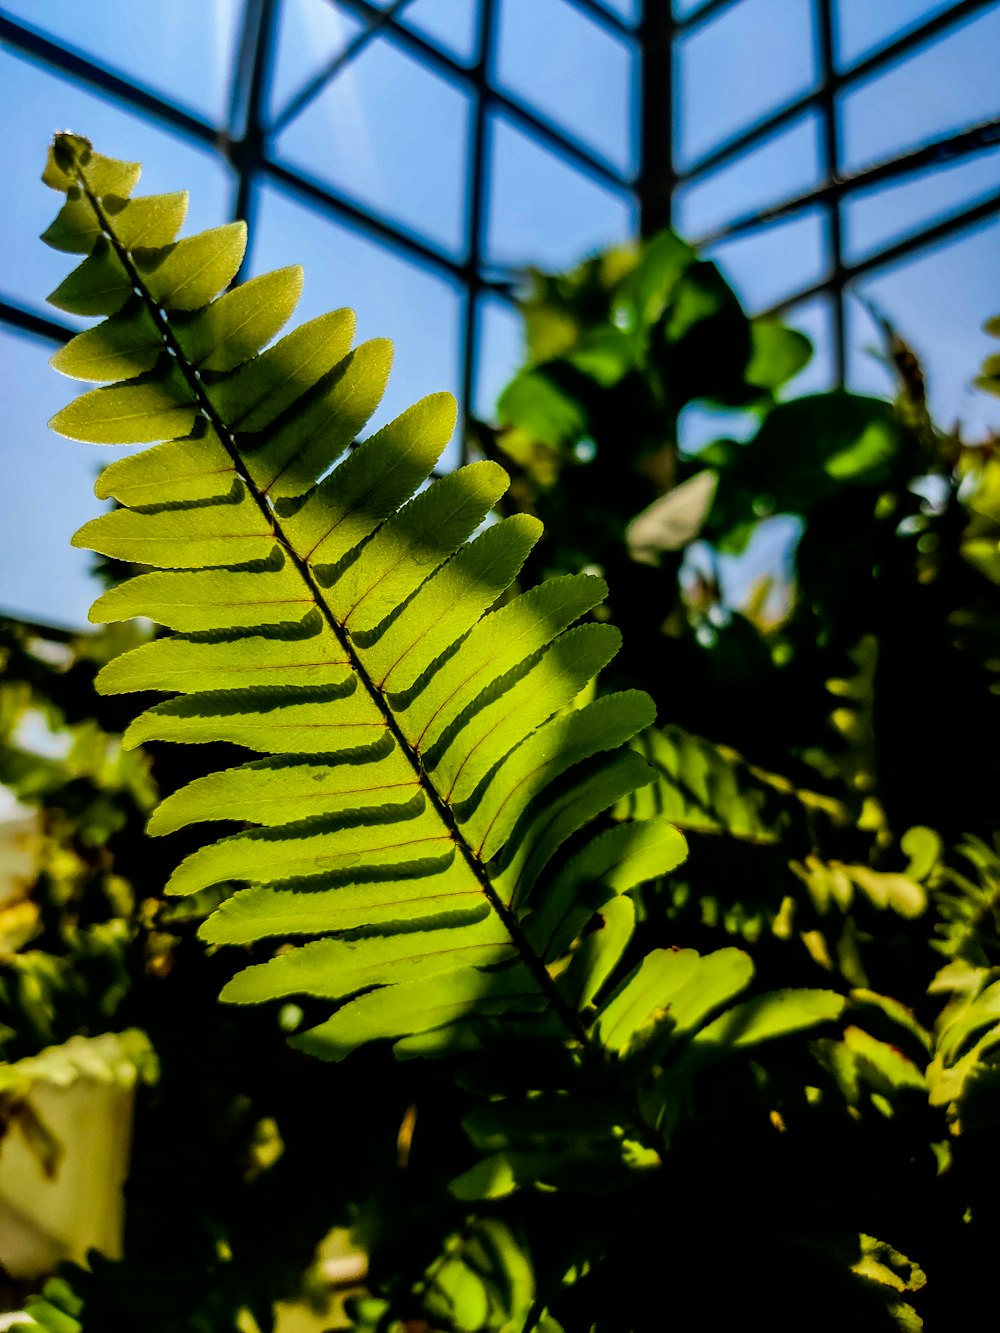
{"x":660,"y":177}
{"x":245,"y":143}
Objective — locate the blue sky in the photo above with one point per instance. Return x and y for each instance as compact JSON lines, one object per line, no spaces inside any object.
{"x":395,"y":136}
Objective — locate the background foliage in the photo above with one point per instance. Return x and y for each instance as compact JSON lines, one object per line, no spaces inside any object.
{"x":829,"y":749}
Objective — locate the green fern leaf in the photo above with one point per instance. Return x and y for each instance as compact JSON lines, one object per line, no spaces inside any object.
{"x":424,"y":762}
{"x":423,"y":821}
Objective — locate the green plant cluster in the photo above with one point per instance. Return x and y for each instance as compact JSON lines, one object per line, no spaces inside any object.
{"x":639,"y":979}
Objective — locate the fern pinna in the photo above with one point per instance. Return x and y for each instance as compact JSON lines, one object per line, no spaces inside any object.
{"x":429,"y":817}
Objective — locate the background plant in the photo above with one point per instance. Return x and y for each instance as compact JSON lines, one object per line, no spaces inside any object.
{"x":781,"y":751}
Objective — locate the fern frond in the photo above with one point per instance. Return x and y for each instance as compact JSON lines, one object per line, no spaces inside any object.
{"x":426,"y":837}
{"x":336,"y":611}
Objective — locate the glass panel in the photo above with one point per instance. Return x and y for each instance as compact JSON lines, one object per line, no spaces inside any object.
{"x":938,"y":302}
{"x":394,"y":137}
{"x":624,"y":9}
{"x":684,"y":9}
{"x":815,"y":319}
{"x":785,"y":166}
{"x":37,"y":103}
{"x":184,"y":49}
{"x":501,"y":351}
{"x":750,"y":60}
{"x":862,"y":27}
{"x":767,"y":266}
{"x":542,"y":211}
{"x":418,"y":310}
{"x":48,"y":491}
{"x":946,"y":86}
{"x":551,"y":56}
{"x":310,"y":33}
{"x":452,"y":25}
{"x":877,"y":217}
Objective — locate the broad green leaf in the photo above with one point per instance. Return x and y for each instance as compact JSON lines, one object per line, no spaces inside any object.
{"x":650,"y":285}
{"x":129,"y":413}
{"x":71,"y":157}
{"x":484,"y":1281}
{"x":615,"y":861}
{"x":306,"y":654}
{"x":767,"y":1017}
{"x":294,"y":455}
{"x":256,"y":393}
{"x":804,"y":452}
{"x":177,"y":538}
{"x":280,"y":791}
{"x":535,"y":403}
{"x":208,"y":599}
{"x":451,"y":602}
{"x":777,"y":354}
{"x":599,"y":953}
{"x":122,"y":347}
{"x":195,"y":270}
{"x":76,"y":227}
{"x":147,"y":223}
{"x":196,"y":468}
{"x":235,"y":327}
{"x":347,"y":506}
{"x":100,"y":286}
{"x":332,"y":969}
{"x":393,"y":1011}
{"x":271,"y":719}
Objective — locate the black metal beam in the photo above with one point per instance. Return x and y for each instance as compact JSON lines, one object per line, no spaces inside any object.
{"x":251,"y":78}
{"x":314,"y":86}
{"x":245,"y":144}
{"x":823,"y":15}
{"x":704,"y":14}
{"x":978,"y":138}
{"x":537,"y":125}
{"x":477,"y":214}
{"x":657,"y":177}
{"x":26,"y":41}
{"x":29,"y":321}
{"x":900,"y":250}
{"x":77,"y":66}
{"x":330,"y":200}
{"x":606,"y":18}
{"x":155,"y":108}
{"x":20,"y":317}
{"x":43,"y":630}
